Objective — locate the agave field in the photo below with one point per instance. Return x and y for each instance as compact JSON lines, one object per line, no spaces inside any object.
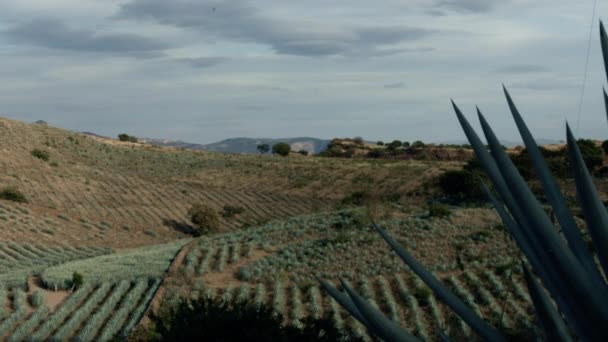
{"x":92,"y":313}
{"x":275,"y":265}
{"x":117,"y":290}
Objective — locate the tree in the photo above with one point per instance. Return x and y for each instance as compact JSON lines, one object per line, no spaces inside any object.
{"x":417,"y":144}
{"x":395,"y":144}
{"x":303,"y":152}
{"x":405,"y":144}
{"x":380,"y":143}
{"x":281,"y":149}
{"x":77,"y":280}
{"x":204,"y":218}
{"x":263,"y":148}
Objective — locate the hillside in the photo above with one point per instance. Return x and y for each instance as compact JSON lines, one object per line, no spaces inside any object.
{"x":116,"y":212}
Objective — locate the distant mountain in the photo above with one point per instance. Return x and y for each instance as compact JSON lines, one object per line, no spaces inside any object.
{"x":509,"y":143}
{"x":244,"y":145}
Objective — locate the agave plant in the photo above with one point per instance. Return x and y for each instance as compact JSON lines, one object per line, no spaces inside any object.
{"x":565,"y":279}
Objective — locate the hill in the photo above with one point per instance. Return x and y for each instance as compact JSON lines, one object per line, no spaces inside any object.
{"x":244,"y":145}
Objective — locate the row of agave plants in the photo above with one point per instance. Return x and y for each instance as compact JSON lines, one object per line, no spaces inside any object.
{"x":565,"y":282}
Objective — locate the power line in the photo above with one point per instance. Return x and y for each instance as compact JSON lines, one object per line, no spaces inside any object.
{"x":580,"y":102}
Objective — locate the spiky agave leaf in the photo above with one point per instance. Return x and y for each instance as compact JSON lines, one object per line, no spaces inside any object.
{"x":380,"y":325}
{"x":344,"y":300}
{"x":555,"y":197}
{"x":466,"y":313}
{"x":596,"y":215}
{"x":604,"y":42}
{"x":548,"y":317}
{"x":549,"y":273}
{"x":583,"y":297}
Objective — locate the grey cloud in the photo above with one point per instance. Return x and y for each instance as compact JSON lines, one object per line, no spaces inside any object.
{"x":522,"y":68}
{"x":238,"y":20}
{"x":543,"y":84}
{"x":394,"y":85}
{"x":51,"y":33}
{"x":201,"y":62}
{"x":463,"y":6}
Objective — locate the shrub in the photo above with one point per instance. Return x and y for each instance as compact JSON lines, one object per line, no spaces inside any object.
{"x":281,"y":149}
{"x":231,"y":210}
{"x":204,"y":218}
{"x":592,"y":154}
{"x":40,"y":154}
{"x":358,"y":140}
{"x":405,"y":144}
{"x":395,"y":144}
{"x":216,"y":320}
{"x":126,"y":137}
{"x":357,"y":198}
{"x":417,"y":144}
{"x":303,"y":152}
{"x":77,"y":280}
{"x":462,"y":185}
{"x":380,"y":143}
{"x":12,"y":194}
{"x":376,"y":153}
{"x":439,"y":210}
{"x":263,"y":148}
{"x":605,"y":146}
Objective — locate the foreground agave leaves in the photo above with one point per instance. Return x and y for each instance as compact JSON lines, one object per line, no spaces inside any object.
{"x":565,"y":267}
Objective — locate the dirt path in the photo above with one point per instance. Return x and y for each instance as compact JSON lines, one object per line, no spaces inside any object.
{"x":171,"y":272}
{"x":52,"y":299}
{"x":226,"y":277}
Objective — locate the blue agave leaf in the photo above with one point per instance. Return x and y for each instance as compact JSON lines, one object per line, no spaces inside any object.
{"x":552,"y":323}
{"x":522,"y":238}
{"x":604,"y":42}
{"x":583,"y":296}
{"x":555,"y":198}
{"x":467,"y":314}
{"x":548,"y":269}
{"x":380,"y":325}
{"x":593,"y":208}
{"x":344,"y":300}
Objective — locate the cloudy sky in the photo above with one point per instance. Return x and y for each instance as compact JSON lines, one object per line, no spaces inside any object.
{"x":202,"y":71}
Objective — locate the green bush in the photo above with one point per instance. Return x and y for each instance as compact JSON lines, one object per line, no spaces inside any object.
{"x":462,"y":185}
{"x":41,"y":154}
{"x":209,"y":319}
{"x":204,"y":218}
{"x":376,"y":153}
{"x":417,"y":144}
{"x":12,"y":194}
{"x":77,"y":280}
{"x":281,"y":149}
{"x":126,"y":137}
{"x":439,"y":210}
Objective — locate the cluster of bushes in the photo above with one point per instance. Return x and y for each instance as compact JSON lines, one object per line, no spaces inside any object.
{"x":558,"y":160}
{"x":232,"y":210}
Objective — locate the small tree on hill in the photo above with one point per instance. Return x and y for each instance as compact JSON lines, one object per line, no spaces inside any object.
{"x":417,"y":144}
{"x":405,"y":144}
{"x":281,"y":149}
{"x":204,"y":218}
{"x":395,"y":144}
{"x":263,"y":148}
{"x":126,"y":137}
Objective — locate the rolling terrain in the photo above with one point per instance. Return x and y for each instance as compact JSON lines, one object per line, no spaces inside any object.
{"x":116,"y":212}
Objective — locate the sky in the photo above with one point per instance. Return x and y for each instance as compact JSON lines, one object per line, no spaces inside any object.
{"x":202,"y":71}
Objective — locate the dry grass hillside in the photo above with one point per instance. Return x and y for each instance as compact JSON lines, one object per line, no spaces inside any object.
{"x":120,"y":194}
